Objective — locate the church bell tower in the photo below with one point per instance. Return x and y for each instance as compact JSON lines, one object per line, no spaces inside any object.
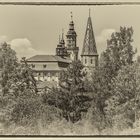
{"x":71,"y":36}
{"x":61,"y":49}
{"x":89,"y":55}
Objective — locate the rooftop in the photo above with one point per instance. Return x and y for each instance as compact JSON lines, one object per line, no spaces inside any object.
{"x":48,"y":58}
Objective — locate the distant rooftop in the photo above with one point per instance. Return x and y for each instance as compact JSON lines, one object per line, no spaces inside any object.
{"x":48,"y":58}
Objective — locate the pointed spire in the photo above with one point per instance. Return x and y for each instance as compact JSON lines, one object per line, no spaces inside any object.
{"x":89,"y":12}
{"x":71,"y":16}
{"x":59,"y":39}
{"x":62,"y":34}
{"x":89,"y":45}
{"x":71,"y":24}
{"x":62,"y":39}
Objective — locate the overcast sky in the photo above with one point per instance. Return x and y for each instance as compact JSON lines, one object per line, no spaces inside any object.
{"x":35,"y":29}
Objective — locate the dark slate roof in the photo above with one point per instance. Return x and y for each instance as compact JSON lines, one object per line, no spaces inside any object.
{"x":89,"y":45}
{"x":48,"y":58}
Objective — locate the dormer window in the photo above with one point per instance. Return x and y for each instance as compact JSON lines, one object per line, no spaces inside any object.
{"x":33,"y":65}
{"x":44,"y":66}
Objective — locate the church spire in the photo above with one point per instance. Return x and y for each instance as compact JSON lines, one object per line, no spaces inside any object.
{"x":72,"y":41}
{"x":89,"y":12}
{"x":89,"y":45}
{"x":71,"y":16}
{"x":59,"y":39}
{"x":62,"y":34}
{"x":89,"y":55}
{"x":61,"y":49}
{"x":62,"y":39}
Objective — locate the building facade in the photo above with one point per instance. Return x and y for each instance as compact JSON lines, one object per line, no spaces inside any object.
{"x":48,"y":67}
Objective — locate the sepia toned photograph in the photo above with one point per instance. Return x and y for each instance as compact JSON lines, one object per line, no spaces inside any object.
{"x":69,"y":69}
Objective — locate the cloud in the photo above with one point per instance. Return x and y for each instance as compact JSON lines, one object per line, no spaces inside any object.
{"x":3,"y":39}
{"x":23,"y":47}
{"x":101,"y":39}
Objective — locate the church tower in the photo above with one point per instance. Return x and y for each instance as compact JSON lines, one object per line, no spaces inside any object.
{"x":61,"y":49}
{"x":71,"y":36}
{"x":89,"y":55}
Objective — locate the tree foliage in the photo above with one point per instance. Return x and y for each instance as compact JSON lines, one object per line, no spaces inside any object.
{"x":18,"y":88}
{"x":119,"y":53}
{"x":8,"y":64}
{"x":71,"y":97}
{"x":125,"y":99}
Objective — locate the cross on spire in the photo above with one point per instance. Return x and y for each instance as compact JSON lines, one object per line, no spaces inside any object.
{"x":71,"y":16}
{"x":89,"y":12}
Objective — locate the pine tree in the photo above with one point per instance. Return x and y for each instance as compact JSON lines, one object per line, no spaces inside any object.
{"x":70,"y":97}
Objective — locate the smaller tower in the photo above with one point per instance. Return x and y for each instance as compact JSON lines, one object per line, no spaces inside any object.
{"x":71,"y":36}
{"x":89,"y":56}
{"x":61,"y":49}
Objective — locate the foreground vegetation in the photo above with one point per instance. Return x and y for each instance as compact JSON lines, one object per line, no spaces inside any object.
{"x":107,"y":103}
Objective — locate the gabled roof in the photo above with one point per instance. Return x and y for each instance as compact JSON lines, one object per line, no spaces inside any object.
{"x":89,"y":45}
{"x":48,"y":58}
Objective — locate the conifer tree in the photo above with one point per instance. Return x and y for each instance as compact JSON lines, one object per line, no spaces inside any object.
{"x":70,"y":97}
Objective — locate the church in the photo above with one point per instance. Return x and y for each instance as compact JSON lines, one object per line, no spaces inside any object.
{"x":48,"y":67}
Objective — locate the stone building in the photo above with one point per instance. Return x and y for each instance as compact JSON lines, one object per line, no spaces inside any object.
{"x":48,"y":67}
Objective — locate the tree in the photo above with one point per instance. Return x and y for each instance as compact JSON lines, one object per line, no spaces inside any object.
{"x":8,"y":64}
{"x":19,"y":95}
{"x":22,"y":80}
{"x":125,"y":99}
{"x":70,"y":97}
{"x":119,"y":53}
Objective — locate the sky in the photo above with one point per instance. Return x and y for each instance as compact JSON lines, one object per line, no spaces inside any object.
{"x":35,"y":30}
